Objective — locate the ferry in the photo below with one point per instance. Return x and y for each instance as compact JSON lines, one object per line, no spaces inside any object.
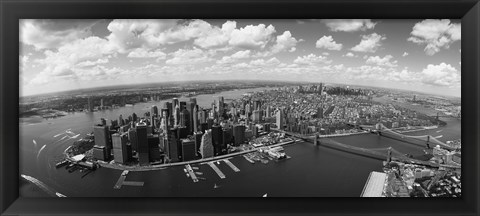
{"x":61,"y":164}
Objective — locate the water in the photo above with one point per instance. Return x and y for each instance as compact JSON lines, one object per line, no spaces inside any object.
{"x":312,"y":170}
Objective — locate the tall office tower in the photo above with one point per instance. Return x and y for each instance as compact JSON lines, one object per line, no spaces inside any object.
{"x":227,"y":138}
{"x":219,"y":106}
{"x":202,"y":116}
{"x":90,"y":104}
{"x":195,"y":119}
{"x":217,"y":139}
{"x":161,"y":142}
{"x":257,"y":105}
{"x":168,"y":106}
{"x":162,"y":111}
{"x":268,"y":111}
{"x":320,"y":112}
{"x":206,"y":147}
{"x":188,"y":150}
{"x":255,"y":131}
{"x":183,"y":105}
{"x":154,"y":111}
{"x":182,"y":132}
{"x":266,"y":128}
{"x":203,"y":127}
{"x":238,"y":134}
{"x":247,"y":109}
{"x":176,"y":115}
{"x":197,"y":136}
{"x":102,"y":137}
{"x":132,"y":136}
{"x":175,"y":103}
{"x":120,"y":120}
{"x":153,"y":147}
{"x":256,"y":117}
{"x":185,"y":119}
{"x":134,"y":117}
{"x":164,"y":124}
{"x":142,"y":143}
{"x":171,"y":121}
{"x":193,"y":100}
{"x":210,"y":123}
{"x":191,"y":106}
{"x":171,"y":147}
{"x":280,"y":119}
{"x":120,"y":151}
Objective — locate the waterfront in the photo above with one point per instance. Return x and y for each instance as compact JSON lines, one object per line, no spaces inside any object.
{"x":312,"y":170}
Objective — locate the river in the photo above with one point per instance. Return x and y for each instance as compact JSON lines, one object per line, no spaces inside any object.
{"x":315,"y":171}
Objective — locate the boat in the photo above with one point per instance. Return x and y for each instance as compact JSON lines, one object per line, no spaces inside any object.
{"x":61,"y":164}
{"x":216,"y":186}
{"x":265,"y":195}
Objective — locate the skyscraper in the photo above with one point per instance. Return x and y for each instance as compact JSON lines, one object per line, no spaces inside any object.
{"x":217,"y":139}
{"x":176,"y":115}
{"x":195,"y":119}
{"x":206,"y":147}
{"x":185,"y":119}
{"x":183,"y":105}
{"x":198,"y":140}
{"x":191,"y":107}
{"x":154,"y":111}
{"x":169,"y":107}
{"x":256,"y":117}
{"x":238,"y":134}
{"x":171,"y":148}
{"x":188,"y":150}
{"x":132,"y":136}
{"x":175,"y":103}
{"x":120,"y":151}
{"x":219,"y":106}
{"x":102,"y":137}
{"x":280,"y":119}
{"x":142,"y":142}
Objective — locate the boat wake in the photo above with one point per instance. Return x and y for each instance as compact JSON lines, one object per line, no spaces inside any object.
{"x":42,"y":186}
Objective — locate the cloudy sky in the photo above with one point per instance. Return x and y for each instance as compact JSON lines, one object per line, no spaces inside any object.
{"x":420,"y":55}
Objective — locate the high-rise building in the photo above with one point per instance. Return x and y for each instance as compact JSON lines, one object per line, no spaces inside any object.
{"x":183,"y":105}
{"x":257,"y":105}
{"x":238,"y":134}
{"x":280,"y":119}
{"x":202,"y":116}
{"x":203,"y":127}
{"x":210,"y":123}
{"x":220,"y":106}
{"x":268,"y":112}
{"x":100,"y":153}
{"x":206,"y":146}
{"x":134,"y":117}
{"x":142,"y":142}
{"x":257,"y":116}
{"x":217,"y":139}
{"x":185,"y":119}
{"x":255,"y":131}
{"x":188,"y":150}
{"x":227,"y":138}
{"x":175,"y":103}
{"x":132,"y":136}
{"x":90,"y":104}
{"x":120,"y":151}
{"x":169,"y":107}
{"x":266,"y":128}
{"x":320,"y":112}
{"x":171,"y":149}
{"x":102,"y":137}
{"x":176,"y":115}
{"x":153,"y":147}
{"x":198,"y":140}
{"x":154,"y":111}
{"x":120,"y":120}
{"x":194,"y":115}
{"x":182,"y":132}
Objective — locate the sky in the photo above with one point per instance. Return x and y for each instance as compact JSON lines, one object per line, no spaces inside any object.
{"x":418,"y":55}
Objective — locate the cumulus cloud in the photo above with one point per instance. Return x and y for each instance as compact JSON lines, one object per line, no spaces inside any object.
{"x":441,"y":75}
{"x":349,"y":25}
{"x":385,"y":61}
{"x":252,"y":36}
{"x":243,"y":54}
{"x":311,"y":59}
{"x":189,"y":56}
{"x":327,"y":42}
{"x":144,"y":53}
{"x":349,"y":54}
{"x":52,"y":34}
{"x":405,"y":54}
{"x":435,"y":34}
{"x":369,"y":43}
{"x":285,"y":42}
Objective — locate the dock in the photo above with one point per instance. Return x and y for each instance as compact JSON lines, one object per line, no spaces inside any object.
{"x":374,"y":185}
{"x":133,"y":183}
{"x":215,"y":168}
{"x":191,"y":173}
{"x":248,"y":159}
{"x":230,"y":164}
{"x":121,"y":180}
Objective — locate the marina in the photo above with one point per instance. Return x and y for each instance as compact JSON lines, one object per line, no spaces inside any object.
{"x":190,"y":173}
{"x":231,"y":165}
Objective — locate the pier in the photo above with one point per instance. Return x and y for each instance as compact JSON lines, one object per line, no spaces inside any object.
{"x":191,"y":173}
{"x":248,"y":159}
{"x":231,"y":165}
{"x":374,"y":185}
{"x":215,"y":168}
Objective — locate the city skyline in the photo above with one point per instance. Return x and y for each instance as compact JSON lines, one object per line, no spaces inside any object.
{"x":418,"y":55}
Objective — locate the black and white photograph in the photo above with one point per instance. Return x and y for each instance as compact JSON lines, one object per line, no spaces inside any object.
{"x":240,"y":108}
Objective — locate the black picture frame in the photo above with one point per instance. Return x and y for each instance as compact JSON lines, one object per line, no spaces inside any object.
{"x":11,"y":11}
